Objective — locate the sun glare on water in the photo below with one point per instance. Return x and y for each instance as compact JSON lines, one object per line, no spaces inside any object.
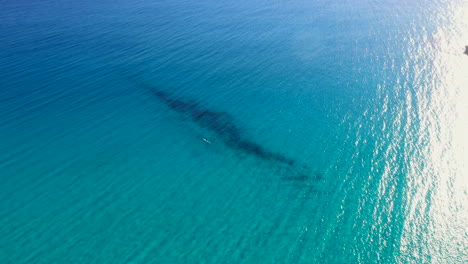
{"x":438,"y":186}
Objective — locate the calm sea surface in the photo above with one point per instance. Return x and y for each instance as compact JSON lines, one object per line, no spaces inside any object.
{"x":233,"y":131}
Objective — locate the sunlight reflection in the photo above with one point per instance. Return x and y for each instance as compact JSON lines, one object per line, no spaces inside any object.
{"x":437,"y":200}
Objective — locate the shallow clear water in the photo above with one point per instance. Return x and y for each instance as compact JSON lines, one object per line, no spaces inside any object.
{"x":368,"y":99}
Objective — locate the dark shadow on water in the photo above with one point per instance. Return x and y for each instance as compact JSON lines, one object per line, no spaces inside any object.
{"x":303,"y":177}
{"x":298,"y":178}
{"x":223,"y":126}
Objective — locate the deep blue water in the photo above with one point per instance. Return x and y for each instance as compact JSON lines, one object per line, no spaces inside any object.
{"x":337,"y":131}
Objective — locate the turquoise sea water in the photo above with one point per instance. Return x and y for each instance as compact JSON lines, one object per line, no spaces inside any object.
{"x":368,"y":99}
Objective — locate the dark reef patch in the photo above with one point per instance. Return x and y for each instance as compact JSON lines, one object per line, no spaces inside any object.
{"x":222,"y":124}
{"x":303,"y":177}
{"x":298,"y":178}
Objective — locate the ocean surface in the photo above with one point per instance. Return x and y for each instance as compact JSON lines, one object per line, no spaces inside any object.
{"x":233,"y":131}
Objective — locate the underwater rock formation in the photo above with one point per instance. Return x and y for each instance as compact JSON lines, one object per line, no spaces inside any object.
{"x":221,"y":124}
{"x":303,"y":177}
